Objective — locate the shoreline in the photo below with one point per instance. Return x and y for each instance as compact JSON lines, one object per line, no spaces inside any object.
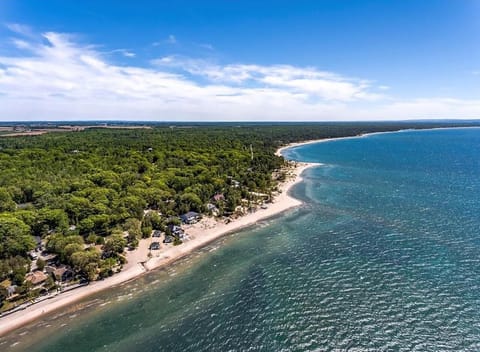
{"x":331,"y":139}
{"x":139,"y":263}
{"x":203,"y":234}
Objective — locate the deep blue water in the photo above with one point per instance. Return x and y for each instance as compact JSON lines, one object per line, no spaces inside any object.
{"x":383,"y":255}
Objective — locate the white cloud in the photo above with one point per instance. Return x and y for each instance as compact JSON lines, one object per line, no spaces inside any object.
{"x":124,"y":52}
{"x":206,"y":46}
{"x":57,"y":78}
{"x":296,"y":80}
{"x":21,"y":44}
{"x":171,"y":39}
{"x":20,"y":29}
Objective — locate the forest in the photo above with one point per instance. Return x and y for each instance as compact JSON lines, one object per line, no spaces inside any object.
{"x":81,"y":191}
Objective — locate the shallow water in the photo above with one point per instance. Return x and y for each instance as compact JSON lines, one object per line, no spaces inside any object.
{"x":384,"y":255}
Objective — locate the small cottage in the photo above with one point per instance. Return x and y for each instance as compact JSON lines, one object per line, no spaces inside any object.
{"x":36,"y":277}
{"x":190,"y":218}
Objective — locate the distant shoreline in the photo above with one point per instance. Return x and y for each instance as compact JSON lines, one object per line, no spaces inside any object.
{"x":140,"y":264}
{"x":363,"y":135}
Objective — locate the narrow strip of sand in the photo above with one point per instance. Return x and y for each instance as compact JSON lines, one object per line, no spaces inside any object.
{"x":138,"y":261}
{"x":297,"y":144}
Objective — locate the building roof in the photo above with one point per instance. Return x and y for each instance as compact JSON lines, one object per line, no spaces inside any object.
{"x":49,"y":257}
{"x":174,"y":228}
{"x":190,"y":214}
{"x":60,"y":271}
{"x":36,"y":277}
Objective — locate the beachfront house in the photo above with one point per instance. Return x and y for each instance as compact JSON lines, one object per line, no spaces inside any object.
{"x":174,"y":230}
{"x":190,"y":218}
{"x":63,"y":274}
{"x":36,"y":277}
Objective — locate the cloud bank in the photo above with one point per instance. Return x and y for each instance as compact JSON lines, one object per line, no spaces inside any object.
{"x":54,"y":77}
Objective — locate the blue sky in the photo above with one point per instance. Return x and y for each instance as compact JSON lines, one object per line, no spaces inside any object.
{"x":239,"y":60}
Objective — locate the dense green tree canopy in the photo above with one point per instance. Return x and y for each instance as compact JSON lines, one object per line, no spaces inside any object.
{"x":15,"y":237}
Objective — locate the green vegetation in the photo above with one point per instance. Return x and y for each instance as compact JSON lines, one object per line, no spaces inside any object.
{"x":79,"y":191}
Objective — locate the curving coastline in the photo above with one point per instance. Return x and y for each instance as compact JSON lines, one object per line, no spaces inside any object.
{"x":201,"y":233}
{"x":139,"y":262}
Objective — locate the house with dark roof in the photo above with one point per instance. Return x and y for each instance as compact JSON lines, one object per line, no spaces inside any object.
{"x":175,"y":230}
{"x":190,"y":218}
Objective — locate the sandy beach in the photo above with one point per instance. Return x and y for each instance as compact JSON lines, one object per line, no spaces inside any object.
{"x":323,"y":140}
{"x":139,"y":261}
{"x":297,"y":144}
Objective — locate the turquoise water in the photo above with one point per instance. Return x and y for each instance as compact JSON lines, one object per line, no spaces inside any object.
{"x":383,"y":255}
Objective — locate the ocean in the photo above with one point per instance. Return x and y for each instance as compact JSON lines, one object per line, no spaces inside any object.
{"x":384,"y":255}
